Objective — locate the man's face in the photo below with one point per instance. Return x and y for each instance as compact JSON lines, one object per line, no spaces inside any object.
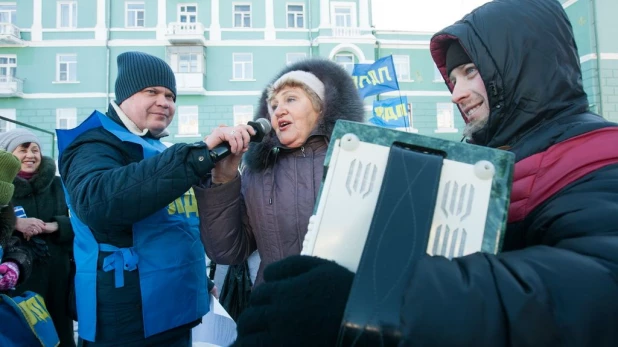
{"x":470,"y":95}
{"x":151,"y":108}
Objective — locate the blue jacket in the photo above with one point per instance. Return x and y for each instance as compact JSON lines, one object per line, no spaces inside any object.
{"x":112,"y":187}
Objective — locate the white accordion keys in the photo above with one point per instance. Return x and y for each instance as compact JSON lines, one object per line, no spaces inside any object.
{"x":349,"y":194}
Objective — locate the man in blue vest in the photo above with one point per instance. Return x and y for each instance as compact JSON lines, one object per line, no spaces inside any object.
{"x":141,"y":275}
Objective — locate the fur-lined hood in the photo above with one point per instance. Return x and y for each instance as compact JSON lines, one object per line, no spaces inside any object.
{"x":39,"y":182}
{"x":341,"y":101}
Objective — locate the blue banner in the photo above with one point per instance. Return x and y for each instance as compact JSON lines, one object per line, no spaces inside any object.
{"x":376,"y":78}
{"x":391,"y":113}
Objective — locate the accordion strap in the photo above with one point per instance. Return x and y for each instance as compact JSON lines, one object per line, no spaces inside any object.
{"x":397,"y":238}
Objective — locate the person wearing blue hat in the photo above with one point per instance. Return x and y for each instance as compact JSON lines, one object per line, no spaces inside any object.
{"x":140,"y":265}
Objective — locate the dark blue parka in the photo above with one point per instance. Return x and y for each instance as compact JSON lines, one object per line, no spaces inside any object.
{"x":112,"y":187}
{"x":556,"y":282}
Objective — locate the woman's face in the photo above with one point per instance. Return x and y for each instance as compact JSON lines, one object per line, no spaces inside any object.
{"x":30,"y":157}
{"x":293,"y":117}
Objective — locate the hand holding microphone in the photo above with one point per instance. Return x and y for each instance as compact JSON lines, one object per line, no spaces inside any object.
{"x":224,"y":141}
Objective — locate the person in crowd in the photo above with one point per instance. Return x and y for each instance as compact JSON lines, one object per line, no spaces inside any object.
{"x":43,"y":226}
{"x":15,"y":268}
{"x":513,"y":69}
{"x":267,"y":206}
{"x":141,"y":269}
{"x":15,"y":259}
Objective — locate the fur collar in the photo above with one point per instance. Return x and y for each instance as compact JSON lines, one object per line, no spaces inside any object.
{"x":39,"y":182}
{"x":341,"y":101}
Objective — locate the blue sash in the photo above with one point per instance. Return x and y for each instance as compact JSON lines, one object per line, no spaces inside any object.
{"x":167,"y":252}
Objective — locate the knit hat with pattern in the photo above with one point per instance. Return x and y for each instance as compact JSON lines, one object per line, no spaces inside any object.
{"x":137,"y":70}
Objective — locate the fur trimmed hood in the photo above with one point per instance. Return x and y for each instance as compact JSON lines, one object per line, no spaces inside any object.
{"x":341,"y":101}
{"x":39,"y":182}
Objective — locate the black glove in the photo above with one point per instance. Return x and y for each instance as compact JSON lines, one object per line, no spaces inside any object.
{"x":300,"y":303}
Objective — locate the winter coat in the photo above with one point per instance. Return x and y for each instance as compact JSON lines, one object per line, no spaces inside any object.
{"x":112,"y":192}
{"x":268,"y":206}
{"x":554,"y":284}
{"x":42,"y":197}
{"x":12,"y":246}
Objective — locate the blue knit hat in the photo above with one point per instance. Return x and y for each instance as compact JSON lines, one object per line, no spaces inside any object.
{"x":137,"y":70}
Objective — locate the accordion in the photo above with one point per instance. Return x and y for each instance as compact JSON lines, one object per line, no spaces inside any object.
{"x":390,"y":197}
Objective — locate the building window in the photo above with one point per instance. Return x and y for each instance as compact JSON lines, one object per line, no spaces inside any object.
{"x":291,"y":58}
{"x":188,"y":121}
{"x":343,"y":16}
{"x":242,"y":16}
{"x":243,"y":114}
{"x":243,"y":66}
{"x":402,"y":67}
{"x":66,"y":68}
{"x":66,"y":118}
{"x":437,"y":75}
{"x":6,"y":125}
{"x":445,"y":118}
{"x":188,"y":62}
{"x":135,"y":14}
{"x":296,"y":16}
{"x":8,"y":13}
{"x":67,"y":14}
{"x":187,"y":13}
{"x":8,"y":66}
{"x":345,"y":60}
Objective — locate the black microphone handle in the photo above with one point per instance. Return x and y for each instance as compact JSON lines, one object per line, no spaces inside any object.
{"x":222,"y":150}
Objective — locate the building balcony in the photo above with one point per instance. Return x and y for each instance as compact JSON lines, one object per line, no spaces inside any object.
{"x":10,"y":34}
{"x":11,"y":87}
{"x":190,"y":82}
{"x":185,"y":33}
{"x":346,"y":32}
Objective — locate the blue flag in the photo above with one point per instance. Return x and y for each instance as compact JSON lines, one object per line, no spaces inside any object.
{"x":376,"y":78}
{"x":391,"y":113}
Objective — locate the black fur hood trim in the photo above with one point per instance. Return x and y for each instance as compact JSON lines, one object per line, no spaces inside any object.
{"x":341,"y":101}
{"x":39,"y":182}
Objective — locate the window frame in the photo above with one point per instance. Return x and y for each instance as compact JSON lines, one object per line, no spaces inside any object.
{"x":180,"y":12}
{"x":12,"y":13}
{"x":72,"y":14}
{"x":334,"y":5}
{"x":406,"y":62}
{"x":442,"y":106}
{"x":190,"y":113}
{"x":296,"y":15}
{"x":242,"y":116}
{"x":249,"y":13}
{"x":11,"y":68}
{"x":61,"y":114}
{"x":197,"y":56}
{"x":135,"y":14}
{"x":10,"y":113}
{"x":243,"y":63}
{"x":58,"y":63}
{"x":344,"y":66}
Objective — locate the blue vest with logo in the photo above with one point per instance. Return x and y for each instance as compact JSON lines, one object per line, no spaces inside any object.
{"x":26,"y":321}
{"x":166,"y":251}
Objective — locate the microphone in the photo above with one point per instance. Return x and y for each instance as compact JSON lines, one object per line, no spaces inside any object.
{"x":261,"y":126}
